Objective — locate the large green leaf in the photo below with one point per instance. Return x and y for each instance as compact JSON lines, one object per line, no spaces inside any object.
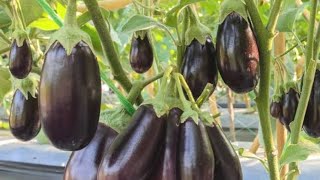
{"x":5,"y":20}
{"x":288,"y":17}
{"x":299,"y":152}
{"x":141,"y":22}
{"x":31,"y":10}
{"x":44,"y":24}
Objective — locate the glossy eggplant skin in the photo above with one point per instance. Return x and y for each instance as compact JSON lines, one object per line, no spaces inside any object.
{"x":227,"y":164}
{"x":196,"y":157}
{"x":199,"y":66}
{"x":290,"y":103}
{"x":311,"y":123}
{"x":24,"y":117}
{"x":84,"y":164}
{"x":20,"y":60}
{"x":137,"y":149}
{"x":70,"y":96}
{"x":276,"y":109}
{"x":237,"y":54}
{"x":141,"y":54}
{"x":166,"y":169}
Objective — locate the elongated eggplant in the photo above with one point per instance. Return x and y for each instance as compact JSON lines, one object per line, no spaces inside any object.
{"x":199,"y":66}
{"x":84,"y":164}
{"x":137,"y":149}
{"x":20,"y":60}
{"x":289,"y":107}
{"x":227,"y":164}
{"x":24,"y":117}
{"x":70,"y":96}
{"x":276,"y":109}
{"x":311,"y":123}
{"x":237,"y":54}
{"x":141,"y":55}
{"x":166,"y":169}
{"x":196,"y":157}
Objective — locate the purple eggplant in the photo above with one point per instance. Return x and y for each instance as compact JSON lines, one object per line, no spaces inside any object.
{"x":70,"y":96}
{"x":141,"y":54}
{"x":84,"y":164}
{"x":20,"y":60}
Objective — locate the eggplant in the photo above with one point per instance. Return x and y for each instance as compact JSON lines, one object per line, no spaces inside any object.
{"x":199,"y":66}
{"x":196,"y":157}
{"x":137,"y":149}
{"x":311,"y":123}
{"x":84,"y":164}
{"x":70,"y":96}
{"x":237,"y":54}
{"x":141,"y":54}
{"x":20,"y":60}
{"x":227,"y":164}
{"x":290,"y":103}
{"x":276,"y":109}
{"x":166,"y":169}
{"x":24,"y":117}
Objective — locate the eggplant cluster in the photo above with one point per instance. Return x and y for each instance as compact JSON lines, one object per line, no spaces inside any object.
{"x":286,"y":108}
{"x":199,"y":66}
{"x":237,"y":54}
{"x":159,"y":148}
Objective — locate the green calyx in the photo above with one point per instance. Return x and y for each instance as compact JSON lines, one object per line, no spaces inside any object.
{"x":27,"y":85}
{"x":229,"y":6}
{"x":165,"y":98}
{"x":142,"y":34}
{"x":290,"y":85}
{"x":70,"y":34}
{"x":117,"y":118}
{"x":196,"y":30}
{"x":19,"y":35}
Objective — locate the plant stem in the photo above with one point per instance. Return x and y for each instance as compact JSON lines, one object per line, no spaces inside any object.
{"x":265,"y":39}
{"x":181,"y":48}
{"x":46,"y":7}
{"x":308,"y":79}
{"x":208,"y":90}
{"x":71,"y":17}
{"x":316,"y":44}
{"x":189,"y":93}
{"x":139,"y":85}
{"x":108,"y":46}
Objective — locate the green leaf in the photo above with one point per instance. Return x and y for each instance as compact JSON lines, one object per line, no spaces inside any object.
{"x":5,"y":20}
{"x":5,"y":82}
{"x":172,"y":15}
{"x":288,"y":17}
{"x":31,"y":10}
{"x":247,"y":154}
{"x":141,"y":22}
{"x":229,"y":6}
{"x":44,"y":24}
{"x":299,"y":152}
{"x":117,"y":118}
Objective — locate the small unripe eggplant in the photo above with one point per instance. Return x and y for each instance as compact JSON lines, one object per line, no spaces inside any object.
{"x":70,"y":96}
{"x":276,"y":109}
{"x":136,"y":150}
{"x":84,"y":164}
{"x":141,"y":54}
{"x":167,"y":169}
{"x":196,"y":157}
{"x":290,"y":103}
{"x":237,"y":54}
{"x":227,"y":164}
{"x":199,"y":66}
{"x":311,"y":123}
{"x":24,"y":117}
{"x":20,"y":60}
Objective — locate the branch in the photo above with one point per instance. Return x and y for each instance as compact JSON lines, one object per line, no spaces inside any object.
{"x":108,"y":46}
